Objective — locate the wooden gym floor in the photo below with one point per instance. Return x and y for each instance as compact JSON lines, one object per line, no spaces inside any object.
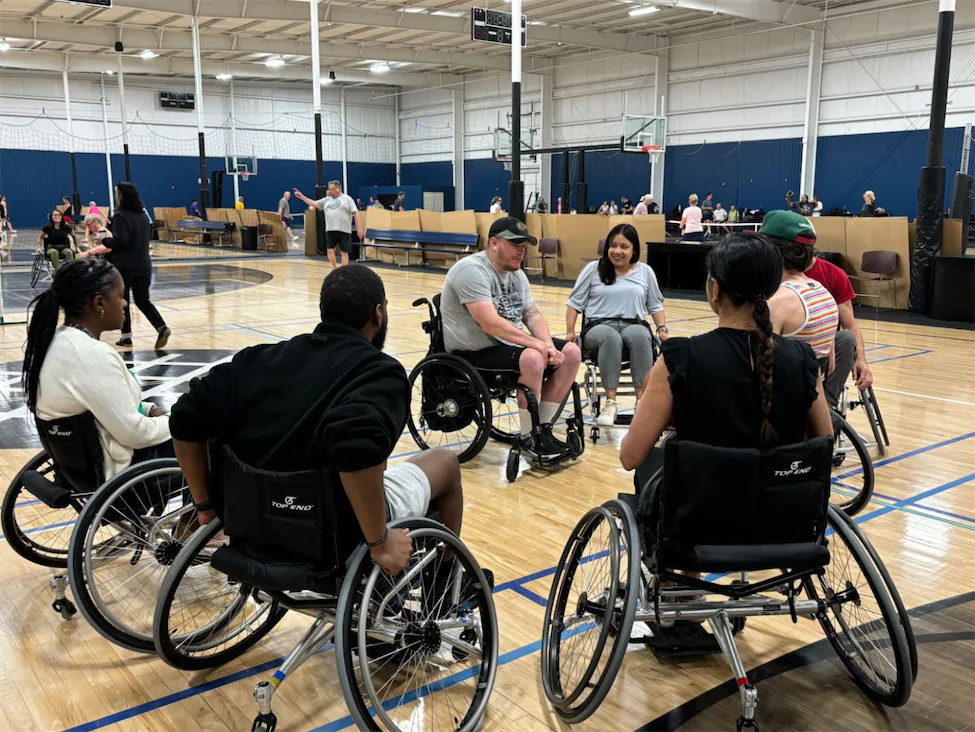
{"x":60,"y":675}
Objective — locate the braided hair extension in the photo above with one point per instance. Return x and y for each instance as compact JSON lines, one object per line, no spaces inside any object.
{"x":75,"y":285}
{"x":748,"y":269}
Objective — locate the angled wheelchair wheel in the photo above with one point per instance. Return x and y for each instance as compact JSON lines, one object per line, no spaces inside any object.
{"x":861,"y":619}
{"x":37,"y":268}
{"x":203,"y":618}
{"x":37,"y":532}
{"x":590,"y":610}
{"x":127,"y":536}
{"x":853,"y":475}
{"x":414,"y":651}
{"x":450,"y":406}
{"x":895,"y":596}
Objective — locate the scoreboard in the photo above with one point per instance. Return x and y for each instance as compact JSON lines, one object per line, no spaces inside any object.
{"x":495,"y":26}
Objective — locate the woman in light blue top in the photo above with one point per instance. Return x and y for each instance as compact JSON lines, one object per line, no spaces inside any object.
{"x":617,"y":293}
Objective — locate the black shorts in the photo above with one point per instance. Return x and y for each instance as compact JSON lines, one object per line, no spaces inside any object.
{"x":341,"y":240}
{"x":502,"y":357}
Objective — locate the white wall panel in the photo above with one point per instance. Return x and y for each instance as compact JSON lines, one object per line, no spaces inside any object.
{"x":272,"y":121}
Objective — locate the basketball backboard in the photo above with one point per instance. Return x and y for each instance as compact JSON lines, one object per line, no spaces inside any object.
{"x":502,"y":144}
{"x":244,"y":165}
{"x":641,"y":131}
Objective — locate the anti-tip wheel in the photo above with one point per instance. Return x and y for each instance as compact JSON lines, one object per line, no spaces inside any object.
{"x":514,"y":462}
{"x":265,"y":723}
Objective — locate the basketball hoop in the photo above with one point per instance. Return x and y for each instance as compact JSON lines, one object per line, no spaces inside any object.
{"x":507,"y":165}
{"x":245,"y":177}
{"x":654,"y":151}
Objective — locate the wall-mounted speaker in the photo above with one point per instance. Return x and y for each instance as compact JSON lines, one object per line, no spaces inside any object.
{"x":119,"y":47}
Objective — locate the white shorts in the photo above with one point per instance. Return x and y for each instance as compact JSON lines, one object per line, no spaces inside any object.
{"x":407,"y":492}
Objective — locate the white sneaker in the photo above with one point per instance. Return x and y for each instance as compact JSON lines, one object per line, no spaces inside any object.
{"x":607,"y":415}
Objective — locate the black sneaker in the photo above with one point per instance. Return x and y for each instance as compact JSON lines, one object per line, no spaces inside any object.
{"x":541,"y":446}
{"x":552,"y":445}
{"x":124,"y":343}
{"x":162,"y":339}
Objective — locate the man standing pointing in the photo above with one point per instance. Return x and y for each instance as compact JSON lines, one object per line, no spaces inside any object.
{"x":339,"y":210}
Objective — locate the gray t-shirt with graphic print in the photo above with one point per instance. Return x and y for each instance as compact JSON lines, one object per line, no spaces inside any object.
{"x":338,"y":212}
{"x":475,"y":279}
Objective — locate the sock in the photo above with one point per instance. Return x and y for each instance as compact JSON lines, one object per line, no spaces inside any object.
{"x":526,"y":421}
{"x":547,"y":412}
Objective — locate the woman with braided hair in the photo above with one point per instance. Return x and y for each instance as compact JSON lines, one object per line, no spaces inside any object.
{"x":738,"y":385}
{"x":68,"y":370}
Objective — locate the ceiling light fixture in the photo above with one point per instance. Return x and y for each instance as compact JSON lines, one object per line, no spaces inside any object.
{"x":275,"y":62}
{"x":4,"y":45}
{"x":413,"y":9}
{"x":108,"y":71}
{"x":381,"y":68}
{"x":645,"y":10}
{"x":148,"y":54}
{"x":325,"y":80}
{"x":224,"y":77}
{"x":448,"y":14}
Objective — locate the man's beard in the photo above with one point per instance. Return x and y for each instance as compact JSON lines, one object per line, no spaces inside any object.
{"x":379,"y":340}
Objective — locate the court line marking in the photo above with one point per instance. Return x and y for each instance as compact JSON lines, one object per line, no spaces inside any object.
{"x":506,"y":658}
{"x":925,"y":396}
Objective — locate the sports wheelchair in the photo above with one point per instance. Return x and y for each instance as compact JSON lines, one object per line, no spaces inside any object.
{"x":114,"y":537}
{"x":728,"y":512}
{"x":868,"y":402}
{"x":41,"y":270}
{"x":593,"y":388}
{"x":457,"y":407}
{"x":398,"y":639}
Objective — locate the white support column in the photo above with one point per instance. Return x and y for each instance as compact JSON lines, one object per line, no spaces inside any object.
{"x":345,"y":148}
{"x":198,"y":97}
{"x":108,"y":152}
{"x":966,"y":147}
{"x":458,"y":147}
{"x":233,"y":142}
{"x":810,"y":129}
{"x":399,"y":153}
{"x":545,"y":161}
{"x":661,"y":71}
{"x":124,"y":120}
{"x":67,"y":108}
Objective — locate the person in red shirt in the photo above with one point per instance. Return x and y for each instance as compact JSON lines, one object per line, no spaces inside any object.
{"x":850,"y":352}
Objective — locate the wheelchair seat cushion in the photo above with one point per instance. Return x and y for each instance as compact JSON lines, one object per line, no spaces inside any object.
{"x":744,"y":557}
{"x":253,"y":568}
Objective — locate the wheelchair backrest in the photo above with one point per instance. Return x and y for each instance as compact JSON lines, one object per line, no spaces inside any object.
{"x":725,"y":496}
{"x":434,"y":326}
{"x":72,"y":442}
{"x":291,"y":516}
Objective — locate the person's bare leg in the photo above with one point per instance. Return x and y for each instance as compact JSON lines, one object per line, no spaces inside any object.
{"x":345,"y":257}
{"x":443,"y":471}
{"x":532,"y":366}
{"x":331,"y":258}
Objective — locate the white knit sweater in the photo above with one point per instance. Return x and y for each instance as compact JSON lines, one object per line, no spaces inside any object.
{"x":80,"y":375}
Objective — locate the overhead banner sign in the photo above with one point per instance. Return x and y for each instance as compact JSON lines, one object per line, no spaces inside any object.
{"x":88,"y":3}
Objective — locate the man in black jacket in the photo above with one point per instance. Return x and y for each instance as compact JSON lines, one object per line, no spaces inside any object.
{"x":330,"y":400}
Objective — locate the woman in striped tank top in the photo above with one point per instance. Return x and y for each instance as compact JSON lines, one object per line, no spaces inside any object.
{"x":801,"y":308}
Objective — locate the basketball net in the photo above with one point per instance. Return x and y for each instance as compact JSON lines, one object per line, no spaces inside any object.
{"x":245,"y":177}
{"x":654,"y":151}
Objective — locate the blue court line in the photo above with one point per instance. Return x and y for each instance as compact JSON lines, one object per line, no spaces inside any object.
{"x":525,"y":592}
{"x":912,"y":453}
{"x":39,"y":529}
{"x":914,"y":499}
{"x":947,"y":513}
{"x":908,"y":355}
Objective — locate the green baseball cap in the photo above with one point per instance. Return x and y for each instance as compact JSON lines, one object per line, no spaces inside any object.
{"x":790,"y":226}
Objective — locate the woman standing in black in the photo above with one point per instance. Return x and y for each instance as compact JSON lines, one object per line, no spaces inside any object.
{"x":128,"y":250}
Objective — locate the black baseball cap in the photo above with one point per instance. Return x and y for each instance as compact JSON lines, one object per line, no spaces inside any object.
{"x":513,"y":230}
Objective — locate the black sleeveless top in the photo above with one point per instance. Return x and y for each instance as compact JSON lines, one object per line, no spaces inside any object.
{"x":717,"y":399}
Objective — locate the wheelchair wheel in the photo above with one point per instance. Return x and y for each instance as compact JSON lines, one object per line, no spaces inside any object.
{"x":861,"y":620}
{"x":203,"y":618}
{"x":36,"y":268}
{"x":590,"y":610}
{"x":408,"y":654}
{"x":505,"y":421}
{"x":125,"y":539}
{"x":37,"y":532}
{"x":853,"y":476}
{"x":891,"y":588}
{"x":450,"y":407}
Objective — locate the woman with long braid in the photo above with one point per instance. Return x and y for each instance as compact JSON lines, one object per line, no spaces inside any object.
{"x":68,"y":371}
{"x":739,"y":385}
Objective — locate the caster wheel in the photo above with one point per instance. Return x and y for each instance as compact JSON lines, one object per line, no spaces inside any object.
{"x":66,"y":608}
{"x":747,"y":724}
{"x":737,"y":625}
{"x":576,"y":443}
{"x":594,"y":435}
{"x":514,"y":462}
{"x":265,"y":723}
{"x":468,"y":635}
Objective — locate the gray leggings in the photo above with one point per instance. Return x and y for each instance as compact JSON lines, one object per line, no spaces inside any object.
{"x":608,"y":338}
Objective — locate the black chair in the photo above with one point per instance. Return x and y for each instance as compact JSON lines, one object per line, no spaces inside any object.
{"x":724,"y":512}
{"x":458,"y":407}
{"x":295,"y":545}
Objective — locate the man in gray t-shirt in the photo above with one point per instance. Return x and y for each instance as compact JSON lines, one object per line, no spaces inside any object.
{"x":485,"y":302}
{"x":284,"y":211}
{"x":340,"y":210}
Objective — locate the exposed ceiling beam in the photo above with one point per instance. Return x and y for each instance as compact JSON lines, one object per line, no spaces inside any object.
{"x":766,"y":11}
{"x":298,"y":12}
{"x":182,"y":67}
{"x":104,"y":36}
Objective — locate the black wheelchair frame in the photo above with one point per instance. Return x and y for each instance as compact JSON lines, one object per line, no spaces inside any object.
{"x":638,"y":581}
{"x":462,"y":395}
{"x":269,"y":567}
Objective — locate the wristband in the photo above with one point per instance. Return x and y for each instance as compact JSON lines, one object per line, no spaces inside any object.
{"x":663,"y":327}
{"x":203,"y":506}
{"x":374,"y":544}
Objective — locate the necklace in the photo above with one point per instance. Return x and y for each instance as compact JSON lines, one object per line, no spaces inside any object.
{"x":82,"y":328}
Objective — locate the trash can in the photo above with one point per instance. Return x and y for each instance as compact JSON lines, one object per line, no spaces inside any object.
{"x":248,"y":238}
